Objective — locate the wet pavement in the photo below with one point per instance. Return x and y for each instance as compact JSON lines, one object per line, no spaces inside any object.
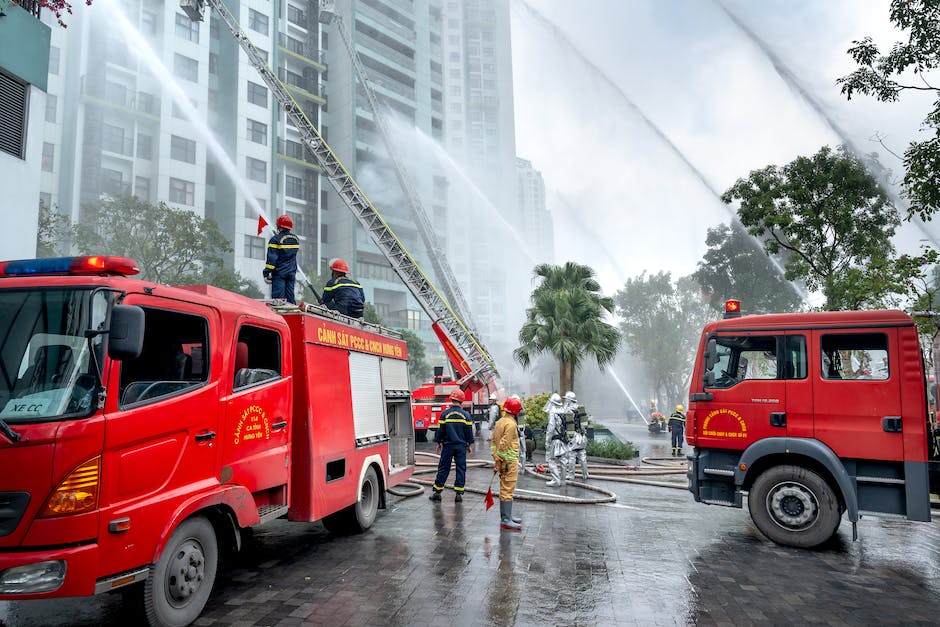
{"x":655,"y":557}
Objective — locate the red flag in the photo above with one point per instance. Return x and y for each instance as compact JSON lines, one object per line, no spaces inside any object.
{"x":489,"y":492}
{"x":261,"y":223}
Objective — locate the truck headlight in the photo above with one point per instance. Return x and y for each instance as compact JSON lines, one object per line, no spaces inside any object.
{"x":31,"y":578}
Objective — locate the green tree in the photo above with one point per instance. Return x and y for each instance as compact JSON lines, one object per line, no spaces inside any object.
{"x":534,"y":408}
{"x":566,"y":320}
{"x":906,"y":69}
{"x":418,"y":369}
{"x":172,"y":246}
{"x":735,"y":267}
{"x":54,"y":229}
{"x":829,"y":217}
{"x":661,"y":322}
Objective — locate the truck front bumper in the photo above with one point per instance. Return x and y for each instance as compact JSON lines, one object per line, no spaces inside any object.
{"x":63,"y":572}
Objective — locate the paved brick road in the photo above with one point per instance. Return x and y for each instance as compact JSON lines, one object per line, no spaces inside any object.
{"x":653,"y":558}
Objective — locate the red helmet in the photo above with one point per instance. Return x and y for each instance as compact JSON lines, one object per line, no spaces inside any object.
{"x":284,"y":222}
{"x":339,"y":265}
{"x":512,"y":406}
{"x":457,"y":396}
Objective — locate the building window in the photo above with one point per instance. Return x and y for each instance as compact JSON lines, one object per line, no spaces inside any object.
{"x":182,"y":192}
{"x":210,"y":174}
{"x":112,"y":139}
{"x":255,"y":247}
{"x":13,"y":95}
{"x":186,"y":28}
{"x":142,"y":187}
{"x":214,"y":26}
{"x":256,"y":170}
{"x":258,"y":94}
{"x":53,"y":60}
{"x":298,"y":219}
{"x":324,"y":234}
{"x":112,"y":182}
{"x":148,"y":22}
{"x":184,"y":67}
{"x":48,"y":156}
{"x":250,"y":210}
{"x":296,"y":16}
{"x":212,"y":100}
{"x":182,"y":149}
{"x":257,"y":132}
{"x":213,"y":64}
{"x":414,"y":319}
{"x":257,"y":21}
{"x":294,"y":186}
{"x":144,"y":146}
{"x":51,"y":106}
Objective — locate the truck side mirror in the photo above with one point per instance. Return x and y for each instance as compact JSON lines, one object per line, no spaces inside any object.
{"x":126,"y":335}
{"x":711,"y":354}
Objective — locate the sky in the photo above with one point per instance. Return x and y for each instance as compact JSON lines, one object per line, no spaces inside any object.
{"x":640,"y":113}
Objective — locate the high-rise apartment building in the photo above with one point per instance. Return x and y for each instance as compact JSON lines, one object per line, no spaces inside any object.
{"x":24,"y":57}
{"x":536,"y":219}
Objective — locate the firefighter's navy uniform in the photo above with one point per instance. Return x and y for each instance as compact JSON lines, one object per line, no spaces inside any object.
{"x":281,"y":264}
{"x":455,"y":435}
{"x":345,"y":296}
{"x":677,"y":428}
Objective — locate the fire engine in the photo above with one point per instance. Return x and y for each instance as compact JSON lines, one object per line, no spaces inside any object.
{"x":432,"y":398}
{"x":812,"y":415}
{"x":144,"y":427}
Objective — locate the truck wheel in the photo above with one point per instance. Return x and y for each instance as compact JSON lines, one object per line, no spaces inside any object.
{"x":180,"y":582}
{"x":368,"y":504}
{"x":794,"y":506}
{"x":359,"y":516}
{"x":421,"y":435}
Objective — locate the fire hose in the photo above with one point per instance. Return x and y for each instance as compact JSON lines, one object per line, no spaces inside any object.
{"x":606,"y":472}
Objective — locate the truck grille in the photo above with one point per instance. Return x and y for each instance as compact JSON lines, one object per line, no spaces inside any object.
{"x":12,"y":506}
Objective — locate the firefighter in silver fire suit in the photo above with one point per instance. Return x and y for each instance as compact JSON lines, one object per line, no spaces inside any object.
{"x":577,"y":446}
{"x":556,"y":439}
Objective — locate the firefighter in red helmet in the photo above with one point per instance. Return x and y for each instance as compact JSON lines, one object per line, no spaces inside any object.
{"x":280,"y":268}
{"x":343,"y":293}
{"x":454,"y":439}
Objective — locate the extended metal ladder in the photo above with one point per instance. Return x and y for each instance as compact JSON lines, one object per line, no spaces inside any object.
{"x":470,"y":359}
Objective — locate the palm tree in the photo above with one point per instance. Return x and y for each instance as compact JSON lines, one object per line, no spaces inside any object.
{"x":566,"y":320}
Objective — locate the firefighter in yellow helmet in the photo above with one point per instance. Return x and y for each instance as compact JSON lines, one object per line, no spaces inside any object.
{"x":677,"y":428}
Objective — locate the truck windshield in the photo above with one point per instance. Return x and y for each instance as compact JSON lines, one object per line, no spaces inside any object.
{"x":46,"y":366}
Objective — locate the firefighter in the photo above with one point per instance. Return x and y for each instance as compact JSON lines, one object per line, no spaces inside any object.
{"x":577,"y":449}
{"x":342,"y":293}
{"x":505,"y":450}
{"x":494,"y":413}
{"x":454,"y":439}
{"x":556,"y":439}
{"x":677,"y":428}
{"x":280,"y":268}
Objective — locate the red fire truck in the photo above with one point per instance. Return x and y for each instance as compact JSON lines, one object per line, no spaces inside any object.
{"x":812,"y":415}
{"x":432,"y":398}
{"x":143,"y":427}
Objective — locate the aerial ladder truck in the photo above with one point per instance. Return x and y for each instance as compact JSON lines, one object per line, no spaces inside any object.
{"x":472,"y":364}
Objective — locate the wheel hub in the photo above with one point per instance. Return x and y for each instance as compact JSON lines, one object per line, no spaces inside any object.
{"x":185,"y":573}
{"x":792,"y":506}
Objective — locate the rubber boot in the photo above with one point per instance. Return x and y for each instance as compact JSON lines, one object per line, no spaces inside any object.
{"x":505,"y":513}
{"x":458,"y":498}
{"x":435,"y":495}
{"x":514,"y":519}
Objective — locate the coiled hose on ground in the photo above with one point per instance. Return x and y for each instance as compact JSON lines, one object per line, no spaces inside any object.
{"x":656,"y":466}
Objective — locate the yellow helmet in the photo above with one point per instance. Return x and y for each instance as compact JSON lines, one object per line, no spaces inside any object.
{"x":680,"y":408}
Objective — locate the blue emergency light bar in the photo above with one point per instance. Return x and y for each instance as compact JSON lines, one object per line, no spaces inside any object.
{"x":84,"y":265}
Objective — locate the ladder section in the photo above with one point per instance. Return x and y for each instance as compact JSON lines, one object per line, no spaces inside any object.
{"x":480,"y":365}
{"x":439,"y":264}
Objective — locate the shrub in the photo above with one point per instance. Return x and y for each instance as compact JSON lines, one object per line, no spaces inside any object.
{"x":535,"y":416}
{"x":611,"y":450}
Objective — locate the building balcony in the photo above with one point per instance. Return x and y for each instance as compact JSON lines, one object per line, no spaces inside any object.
{"x":135,"y":102}
{"x":302,"y":51}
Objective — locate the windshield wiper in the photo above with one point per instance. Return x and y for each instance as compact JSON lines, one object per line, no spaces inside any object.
{"x":12,"y":435}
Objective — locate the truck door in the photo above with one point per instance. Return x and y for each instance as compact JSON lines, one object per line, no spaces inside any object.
{"x":857,"y":394}
{"x":798,"y":411}
{"x":257,"y":411}
{"x":749,"y":392}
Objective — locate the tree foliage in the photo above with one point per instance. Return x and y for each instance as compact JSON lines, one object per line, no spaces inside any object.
{"x":566,"y":320}
{"x":58,"y":7}
{"x":54,"y":230}
{"x":734,"y":266}
{"x":419,"y":370}
{"x":172,"y":246}
{"x":905,"y":69}
{"x":661,"y":322}
{"x":830,"y":218}
{"x":534,"y":408}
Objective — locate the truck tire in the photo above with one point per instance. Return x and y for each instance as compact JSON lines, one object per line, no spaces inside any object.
{"x":360,"y":515}
{"x":794,"y":506}
{"x":180,"y":582}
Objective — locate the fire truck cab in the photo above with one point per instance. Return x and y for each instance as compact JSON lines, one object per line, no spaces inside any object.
{"x":811,"y":415}
{"x":143,"y":427}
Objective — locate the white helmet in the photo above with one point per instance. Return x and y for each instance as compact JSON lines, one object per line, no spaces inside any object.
{"x":492,"y":397}
{"x":515,"y":396}
{"x":555,"y":399}
{"x":569,"y":395}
